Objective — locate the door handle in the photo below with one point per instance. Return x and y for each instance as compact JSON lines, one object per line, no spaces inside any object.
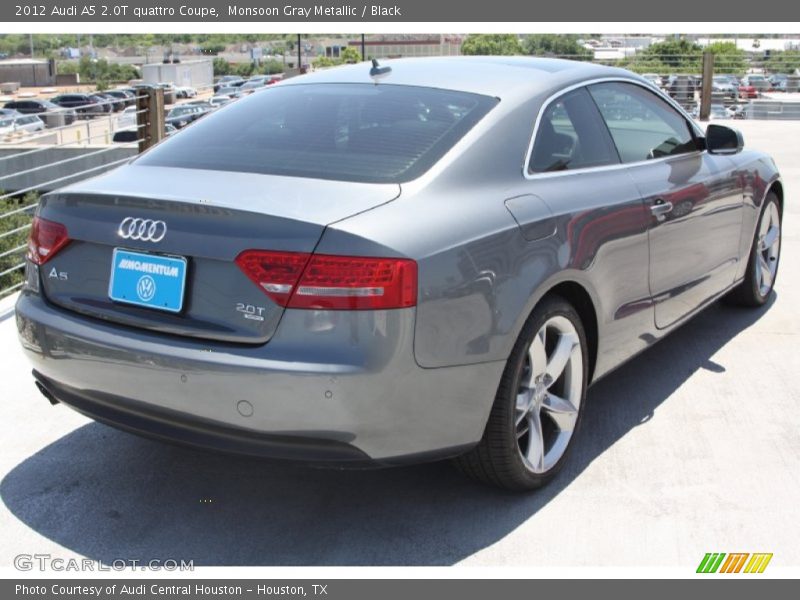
{"x":660,"y":208}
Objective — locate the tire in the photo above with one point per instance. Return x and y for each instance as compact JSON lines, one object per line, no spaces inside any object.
{"x":507,"y":455}
{"x":755,"y":289}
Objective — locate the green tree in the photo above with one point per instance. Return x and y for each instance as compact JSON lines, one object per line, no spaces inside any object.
{"x":325,"y":61}
{"x":270,"y":67}
{"x":221,"y":67}
{"x":98,"y":71}
{"x":727,"y":57}
{"x":566,"y":46}
{"x":491,"y":45}
{"x":350,"y":55}
{"x":677,"y":55}
{"x":243,"y":69}
{"x":786,"y":61}
{"x":212,"y":48}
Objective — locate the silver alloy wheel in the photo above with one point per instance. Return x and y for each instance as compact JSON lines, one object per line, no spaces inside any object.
{"x":549,"y":395}
{"x":769,"y":247}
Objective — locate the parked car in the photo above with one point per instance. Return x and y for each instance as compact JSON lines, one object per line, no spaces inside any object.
{"x":776,"y":80}
{"x":112,"y":103}
{"x":26,"y":123}
{"x":130,"y":135}
{"x":218,"y":101}
{"x":128,"y":98}
{"x":248,"y":87}
{"x":722,"y":85}
{"x":719,"y":111}
{"x":654,"y":78}
{"x":204,"y":104}
{"x":759,"y":82}
{"x":681,"y":88}
{"x":433,"y":266}
{"x":780,"y":86}
{"x":182,"y":115}
{"x":106,"y":106}
{"x":185,"y":92}
{"x":7,"y":125}
{"x":9,"y":112}
{"x":227,"y":81}
{"x":51,"y":114}
{"x":127,"y":118}
{"x":85,"y":105}
{"x":738,"y":111}
{"x":732,"y":79}
{"x":229,"y":91}
{"x":747,"y":91}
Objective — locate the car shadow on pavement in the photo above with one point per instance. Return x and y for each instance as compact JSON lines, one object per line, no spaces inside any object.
{"x":109,"y":495}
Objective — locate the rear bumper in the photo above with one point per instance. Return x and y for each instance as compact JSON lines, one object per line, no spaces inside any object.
{"x":341,"y":388}
{"x":156,"y":422}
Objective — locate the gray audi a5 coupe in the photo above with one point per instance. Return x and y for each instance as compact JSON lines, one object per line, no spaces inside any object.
{"x":393,"y":263}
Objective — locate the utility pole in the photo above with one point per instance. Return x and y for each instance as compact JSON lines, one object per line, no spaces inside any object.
{"x":299,"y":55}
{"x":30,"y":39}
{"x":705,"y":92}
{"x":363,"y":48}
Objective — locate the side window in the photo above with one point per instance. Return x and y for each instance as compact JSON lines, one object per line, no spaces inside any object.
{"x":643,"y":125}
{"x":571,"y":135}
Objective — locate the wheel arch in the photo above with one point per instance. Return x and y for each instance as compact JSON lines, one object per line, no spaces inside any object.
{"x":580,"y":299}
{"x":777,"y":188}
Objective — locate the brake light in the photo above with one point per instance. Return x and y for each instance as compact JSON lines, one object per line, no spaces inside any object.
{"x":276,"y":273}
{"x":300,"y":280}
{"x":46,"y":239}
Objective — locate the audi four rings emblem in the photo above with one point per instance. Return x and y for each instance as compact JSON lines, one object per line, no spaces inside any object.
{"x":143,"y":230}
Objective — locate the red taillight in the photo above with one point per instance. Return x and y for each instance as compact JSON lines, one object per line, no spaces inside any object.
{"x":350,"y":282}
{"x":46,"y":239}
{"x":276,"y":273}
{"x":300,"y":280}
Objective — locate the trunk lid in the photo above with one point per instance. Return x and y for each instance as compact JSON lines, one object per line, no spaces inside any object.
{"x":209,"y":218}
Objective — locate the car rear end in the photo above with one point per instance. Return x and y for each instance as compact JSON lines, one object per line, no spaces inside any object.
{"x":182,"y":296}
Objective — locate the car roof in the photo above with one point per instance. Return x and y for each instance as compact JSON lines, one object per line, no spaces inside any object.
{"x":497,"y":76}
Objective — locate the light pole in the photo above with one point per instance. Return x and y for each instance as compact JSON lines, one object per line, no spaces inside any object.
{"x":299,"y":55}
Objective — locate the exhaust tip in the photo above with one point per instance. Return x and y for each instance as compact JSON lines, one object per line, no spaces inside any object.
{"x":46,"y":393}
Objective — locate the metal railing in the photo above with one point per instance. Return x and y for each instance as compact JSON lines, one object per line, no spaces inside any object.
{"x":20,"y":186}
{"x":65,"y":153}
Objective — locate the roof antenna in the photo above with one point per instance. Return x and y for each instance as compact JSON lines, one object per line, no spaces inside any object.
{"x":377,"y":70}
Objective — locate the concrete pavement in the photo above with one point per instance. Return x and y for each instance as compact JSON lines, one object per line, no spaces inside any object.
{"x":693,"y":447}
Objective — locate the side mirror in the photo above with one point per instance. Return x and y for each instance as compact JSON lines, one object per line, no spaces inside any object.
{"x":723,"y":140}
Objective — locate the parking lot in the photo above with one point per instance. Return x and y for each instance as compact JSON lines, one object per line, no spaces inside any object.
{"x":692,"y":447}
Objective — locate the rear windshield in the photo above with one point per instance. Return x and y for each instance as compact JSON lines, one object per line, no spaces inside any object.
{"x":347,"y":132}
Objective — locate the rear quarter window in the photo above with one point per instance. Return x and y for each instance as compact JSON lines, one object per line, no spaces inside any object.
{"x":346,"y":132}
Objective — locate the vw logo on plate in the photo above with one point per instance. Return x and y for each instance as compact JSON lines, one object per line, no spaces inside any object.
{"x":146,"y":288}
{"x":143,"y":230}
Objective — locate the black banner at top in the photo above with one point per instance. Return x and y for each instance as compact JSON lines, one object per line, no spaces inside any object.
{"x":400,"y":11}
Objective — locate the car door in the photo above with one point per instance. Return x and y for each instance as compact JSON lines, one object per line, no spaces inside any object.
{"x":574,"y":173}
{"x":695,"y":199}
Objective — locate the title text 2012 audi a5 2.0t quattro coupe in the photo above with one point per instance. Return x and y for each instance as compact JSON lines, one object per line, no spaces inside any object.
{"x":380,"y":264}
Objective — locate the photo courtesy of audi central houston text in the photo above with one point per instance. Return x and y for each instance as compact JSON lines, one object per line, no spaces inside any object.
{"x":394,"y":262}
